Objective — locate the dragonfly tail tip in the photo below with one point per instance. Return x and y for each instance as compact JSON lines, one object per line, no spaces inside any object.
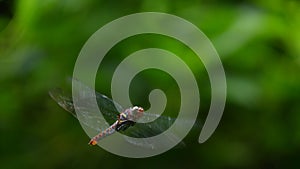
{"x":93,"y":142}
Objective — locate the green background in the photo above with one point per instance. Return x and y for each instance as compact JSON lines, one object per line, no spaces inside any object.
{"x":259,"y":45}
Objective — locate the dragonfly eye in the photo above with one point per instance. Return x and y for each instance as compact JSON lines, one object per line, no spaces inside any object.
{"x":140,"y":109}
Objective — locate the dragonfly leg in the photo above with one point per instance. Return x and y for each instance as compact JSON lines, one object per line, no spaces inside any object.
{"x":124,"y":125}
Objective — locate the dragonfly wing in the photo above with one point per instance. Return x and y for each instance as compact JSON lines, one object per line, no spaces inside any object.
{"x":85,"y":110}
{"x":107,"y":106}
{"x":142,"y":134}
{"x":63,"y":100}
{"x":144,"y":131}
{"x":152,"y":143}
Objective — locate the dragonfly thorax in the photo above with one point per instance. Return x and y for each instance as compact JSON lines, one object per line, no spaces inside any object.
{"x":128,"y":118}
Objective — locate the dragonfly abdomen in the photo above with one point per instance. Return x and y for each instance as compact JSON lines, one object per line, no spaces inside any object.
{"x":103,"y":134}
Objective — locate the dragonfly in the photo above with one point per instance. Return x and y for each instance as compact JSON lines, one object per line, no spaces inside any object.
{"x":120,"y":119}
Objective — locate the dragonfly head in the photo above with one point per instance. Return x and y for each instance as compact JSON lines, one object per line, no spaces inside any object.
{"x":137,"y":111}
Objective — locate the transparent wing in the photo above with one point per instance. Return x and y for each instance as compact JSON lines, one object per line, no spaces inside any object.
{"x":66,"y":103}
{"x":62,"y":100}
{"x":85,"y":109}
{"x":144,"y":131}
{"x":108,"y":107}
{"x":140,"y":130}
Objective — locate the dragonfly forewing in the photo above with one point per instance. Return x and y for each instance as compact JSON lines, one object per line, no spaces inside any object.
{"x":86,"y":111}
{"x":63,"y":100}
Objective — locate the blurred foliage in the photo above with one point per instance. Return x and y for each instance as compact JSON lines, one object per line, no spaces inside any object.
{"x":259,"y":45}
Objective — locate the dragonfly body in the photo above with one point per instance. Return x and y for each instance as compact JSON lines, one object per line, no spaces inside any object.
{"x":125,"y":120}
